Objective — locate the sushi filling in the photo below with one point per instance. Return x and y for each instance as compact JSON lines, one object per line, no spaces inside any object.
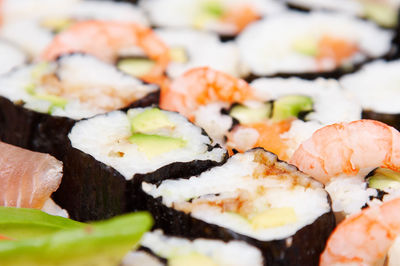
{"x":76,"y":86}
{"x":142,"y":140}
{"x":252,"y":194}
{"x":180,"y":251}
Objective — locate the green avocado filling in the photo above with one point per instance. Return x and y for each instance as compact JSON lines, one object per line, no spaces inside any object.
{"x":307,"y":46}
{"x":178,"y":55}
{"x":191,"y":259}
{"x":247,"y":115}
{"x":209,"y":11}
{"x":381,"y":13}
{"x":55,"y":101}
{"x":146,"y":129}
{"x":136,"y":67}
{"x":384,"y":178}
{"x":100,"y":243}
{"x":291,"y":106}
{"x":57,"y":25}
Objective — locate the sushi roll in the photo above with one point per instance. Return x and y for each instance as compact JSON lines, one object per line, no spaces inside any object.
{"x":227,"y":18}
{"x":28,"y":179}
{"x":311,"y":45}
{"x":159,"y":249}
{"x":191,"y":48}
{"x":10,"y":57}
{"x":109,"y":152}
{"x":253,"y":197}
{"x":357,"y":161}
{"x":33,"y":27}
{"x":375,"y":86}
{"x":40,"y":102}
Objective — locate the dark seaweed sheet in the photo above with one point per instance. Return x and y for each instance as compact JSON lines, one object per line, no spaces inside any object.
{"x":389,"y":119}
{"x":303,"y":248}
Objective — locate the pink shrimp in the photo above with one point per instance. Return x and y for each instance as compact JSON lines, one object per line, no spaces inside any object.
{"x":347,"y":148}
{"x":201,"y":86}
{"x":364,"y":238}
{"x":104,"y":39}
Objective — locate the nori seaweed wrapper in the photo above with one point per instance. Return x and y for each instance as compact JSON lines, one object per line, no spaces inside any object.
{"x":90,"y":190}
{"x":302,"y":248}
{"x":389,"y":119}
{"x":43,"y":132}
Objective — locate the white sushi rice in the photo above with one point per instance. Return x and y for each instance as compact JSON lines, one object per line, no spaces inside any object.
{"x":233,"y":253}
{"x":53,"y":208}
{"x":202,"y":49}
{"x":306,"y":196}
{"x":376,"y":86}
{"x":267,"y":46}
{"x":106,"y":135}
{"x":183,"y":13}
{"x":76,"y":71}
{"x":10,"y":57}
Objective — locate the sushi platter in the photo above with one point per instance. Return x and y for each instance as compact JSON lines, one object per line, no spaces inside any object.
{"x":200,"y":132}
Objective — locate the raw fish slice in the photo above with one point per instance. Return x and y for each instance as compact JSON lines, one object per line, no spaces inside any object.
{"x":27,"y":178}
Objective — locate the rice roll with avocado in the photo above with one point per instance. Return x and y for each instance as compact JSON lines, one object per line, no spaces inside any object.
{"x":376,"y":88}
{"x":159,"y":249}
{"x":311,"y":45}
{"x":40,"y":102}
{"x":252,"y":197}
{"x":110,"y":151}
{"x":227,"y":18}
{"x":191,"y":48}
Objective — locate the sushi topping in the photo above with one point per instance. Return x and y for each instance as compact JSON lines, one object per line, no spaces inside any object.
{"x":191,"y":259}
{"x":291,"y":106}
{"x":101,"y":243}
{"x":383,"y":178}
{"x":150,"y":121}
{"x":178,"y":55}
{"x":154,"y":145}
{"x":136,"y":67}
{"x":247,"y":115}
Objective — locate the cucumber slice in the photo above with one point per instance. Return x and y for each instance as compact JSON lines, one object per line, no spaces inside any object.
{"x":290,"y":106}
{"x":136,"y":67}
{"x":20,"y":223}
{"x":247,"y":115}
{"x":102,"y":243}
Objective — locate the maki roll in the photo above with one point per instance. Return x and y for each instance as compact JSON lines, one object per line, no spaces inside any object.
{"x":159,"y":249}
{"x":227,"y":18}
{"x":311,"y":45}
{"x":375,"y":86}
{"x":191,"y":48}
{"x":39,"y":103}
{"x":252,"y":197}
{"x":110,"y":151}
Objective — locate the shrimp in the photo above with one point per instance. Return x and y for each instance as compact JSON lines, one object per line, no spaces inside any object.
{"x":348,"y":148}
{"x":335,"y":48}
{"x":240,"y":16}
{"x":104,"y":39}
{"x":364,"y":238}
{"x":201,"y":86}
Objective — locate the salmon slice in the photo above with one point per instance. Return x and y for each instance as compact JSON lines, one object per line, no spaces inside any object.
{"x":27,"y":178}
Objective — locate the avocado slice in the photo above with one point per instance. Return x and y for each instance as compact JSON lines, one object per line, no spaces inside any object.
{"x":136,"y":67}
{"x":191,"y":259}
{"x":381,"y":13}
{"x":247,"y":115}
{"x":290,"y":106}
{"x":209,"y":11}
{"x":307,"y":46}
{"x":178,"y":55}
{"x":39,"y":69}
{"x":56,"y":25}
{"x":149,"y":121}
{"x":101,"y":243}
{"x":384,"y":178}
{"x":54,"y":100}
{"x":273,"y":217}
{"x":20,"y":223}
{"x":30,"y":89}
{"x":154,"y":145}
